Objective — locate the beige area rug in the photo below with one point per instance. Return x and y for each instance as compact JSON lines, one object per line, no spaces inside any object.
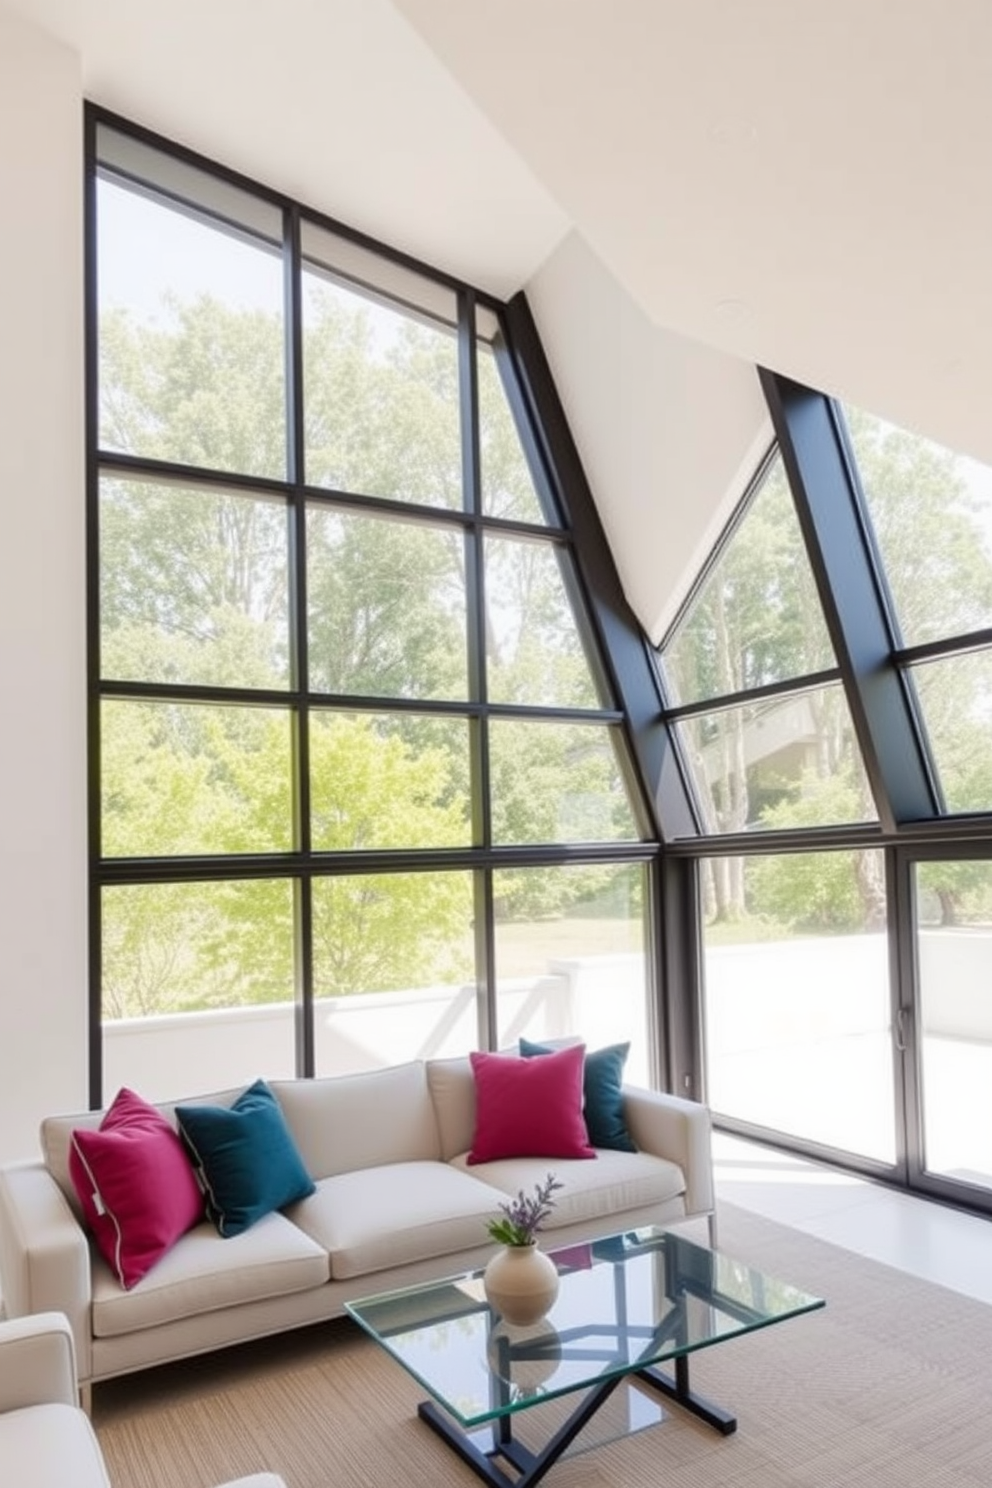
{"x":889,"y":1386}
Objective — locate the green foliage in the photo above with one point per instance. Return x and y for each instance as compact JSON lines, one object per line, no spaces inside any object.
{"x":194,"y":590}
{"x":756,"y":619}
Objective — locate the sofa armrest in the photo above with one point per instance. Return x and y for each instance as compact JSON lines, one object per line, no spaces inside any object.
{"x":37,"y":1362}
{"x":670,"y":1126}
{"x":44,"y":1253}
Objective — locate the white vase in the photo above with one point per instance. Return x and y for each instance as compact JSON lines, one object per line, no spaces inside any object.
{"x":521,"y":1283}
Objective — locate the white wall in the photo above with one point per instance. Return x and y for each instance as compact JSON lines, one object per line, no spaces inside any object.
{"x":42,"y":588}
{"x":669,"y":431}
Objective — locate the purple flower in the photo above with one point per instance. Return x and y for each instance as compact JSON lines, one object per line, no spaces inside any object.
{"x":524,"y":1216}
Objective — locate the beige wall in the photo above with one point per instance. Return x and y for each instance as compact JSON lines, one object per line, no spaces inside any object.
{"x":42,"y":588}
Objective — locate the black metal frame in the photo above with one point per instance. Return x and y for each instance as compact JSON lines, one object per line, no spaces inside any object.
{"x":592,"y":592}
{"x":530,"y":1467}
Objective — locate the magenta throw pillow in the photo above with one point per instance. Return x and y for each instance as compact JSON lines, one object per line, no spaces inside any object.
{"x":136,"y":1186}
{"x":529,"y":1107}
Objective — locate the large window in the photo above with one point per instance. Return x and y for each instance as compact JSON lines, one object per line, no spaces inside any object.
{"x":830,"y":691}
{"x":358,"y":752}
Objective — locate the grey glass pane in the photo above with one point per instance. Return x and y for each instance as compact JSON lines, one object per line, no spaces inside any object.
{"x":507,"y":488}
{"x":558,"y":782}
{"x":198,"y":985}
{"x":931,"y":510}
{"x":570,"y":957}
{"x":534,"y":647}
{"x":404,"y":933}
{"x":790,"y":761}
{"x":797,"y":999}
{"x":380,"y":396}
{"x":387,"y":609}
{"x":193,"y":586}
{"x":954,"y":959}
{"x":955,"y":695}
{"x":184,"y":778}
{"x":381,"y":782}
{"x":191,"y":337}
{"x":757,"y":618}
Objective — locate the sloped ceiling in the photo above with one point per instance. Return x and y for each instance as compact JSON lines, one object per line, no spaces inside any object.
{"x":684,"y":191}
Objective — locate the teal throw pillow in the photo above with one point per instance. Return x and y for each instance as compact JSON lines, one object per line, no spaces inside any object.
{"x":245,"y":1157}
{"x":602,"y":1088}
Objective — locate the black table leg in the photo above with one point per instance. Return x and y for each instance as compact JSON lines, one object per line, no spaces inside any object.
{"x":530,"y":1467}
{"x":677,"y":1389}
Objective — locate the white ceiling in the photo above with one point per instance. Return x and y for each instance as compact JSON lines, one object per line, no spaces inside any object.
{"x":781,"y":182}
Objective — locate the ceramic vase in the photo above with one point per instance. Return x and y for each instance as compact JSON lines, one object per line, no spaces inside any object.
{"x":521,"y":1283}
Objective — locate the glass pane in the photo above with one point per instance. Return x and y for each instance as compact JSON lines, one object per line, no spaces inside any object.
{"x":507,"y":488}
{"x":782,"y":762}
{"x":381,"y":394}
{"x":624,"y":1302}
{"x":381,"y":782}
{"x":394,"y":969}
{"x":570,"y":959}
{"x":797,"y":1014}
{"x":387,"y":608}
{"x":534,"y":649}
{"x":757,"y":618}
{"x":932,"y":514}
{"x":193,"y":586}
{"x":558,"y":782}
{"x":197,"y":985}
{"x":181,"y":778}
{"x":954,"y":957}
{"x":191,"y":339}
{"x":955,"y":696}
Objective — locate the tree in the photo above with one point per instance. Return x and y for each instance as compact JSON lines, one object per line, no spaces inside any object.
{"x":194,"y":589}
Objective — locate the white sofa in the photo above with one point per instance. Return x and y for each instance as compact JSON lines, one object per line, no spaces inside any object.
{"x":46,"y":1440}
{"x":396,"y":1203}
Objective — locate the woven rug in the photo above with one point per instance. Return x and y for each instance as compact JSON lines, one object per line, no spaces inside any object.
{"x":889,"y":1386}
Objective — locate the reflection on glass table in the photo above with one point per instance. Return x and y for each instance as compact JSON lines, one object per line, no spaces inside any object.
{"x":626,"y":1304}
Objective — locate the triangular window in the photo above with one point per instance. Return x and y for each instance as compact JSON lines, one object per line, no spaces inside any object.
{"x":759,"y":712}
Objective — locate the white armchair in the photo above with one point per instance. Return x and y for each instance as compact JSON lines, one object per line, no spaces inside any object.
{"x":46,"y":1439}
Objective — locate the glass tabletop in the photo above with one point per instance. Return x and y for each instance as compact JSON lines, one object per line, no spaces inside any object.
{"x":624,"y":1302}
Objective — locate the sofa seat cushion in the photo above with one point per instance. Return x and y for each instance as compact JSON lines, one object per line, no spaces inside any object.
{"x":206,"y":1273}
{"x":612,"y":1184}
{"x":395,"y":1214}
{"x":49,"y":1446}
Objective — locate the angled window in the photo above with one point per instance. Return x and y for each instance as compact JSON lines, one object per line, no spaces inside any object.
{"x":508,"y":488}
{"x":931,"y":513}
{"x":759,"y":713}
{"x":538,"y":649}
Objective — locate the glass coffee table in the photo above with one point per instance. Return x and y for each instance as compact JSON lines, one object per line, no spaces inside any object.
{"x":626,"y":1304}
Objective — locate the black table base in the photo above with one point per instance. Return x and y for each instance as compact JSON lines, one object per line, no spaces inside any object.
{"x":530,"y":1467}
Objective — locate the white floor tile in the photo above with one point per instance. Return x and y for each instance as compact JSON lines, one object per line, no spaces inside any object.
{"x":929,"y":1240}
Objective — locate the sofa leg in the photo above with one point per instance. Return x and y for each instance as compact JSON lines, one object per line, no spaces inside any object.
{"x":712,"y":1227}
{"x":86,"y":1398}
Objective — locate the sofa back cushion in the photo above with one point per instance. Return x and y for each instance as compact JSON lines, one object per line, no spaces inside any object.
{"x":452,"y":1087}
{"x":344,"y":1122}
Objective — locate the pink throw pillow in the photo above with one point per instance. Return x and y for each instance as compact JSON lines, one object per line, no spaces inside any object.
{"x":529,"y":1107}
{"x":136,"y":1185}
